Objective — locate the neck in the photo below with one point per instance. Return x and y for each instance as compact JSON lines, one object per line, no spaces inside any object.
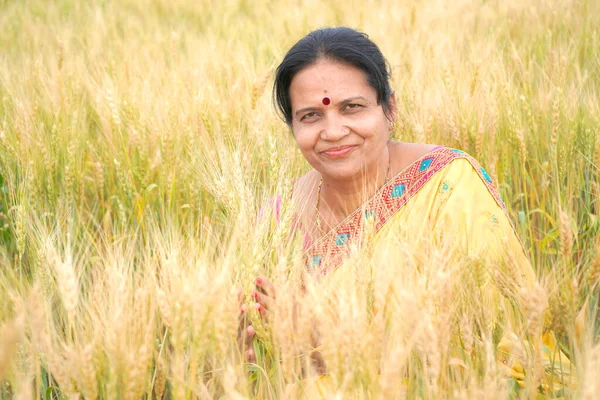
{"x":340,"y":197}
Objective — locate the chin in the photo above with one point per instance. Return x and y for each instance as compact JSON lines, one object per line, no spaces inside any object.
{"x":345,"y":173}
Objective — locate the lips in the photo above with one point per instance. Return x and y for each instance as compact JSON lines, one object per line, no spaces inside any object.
{"x":340,"y":151}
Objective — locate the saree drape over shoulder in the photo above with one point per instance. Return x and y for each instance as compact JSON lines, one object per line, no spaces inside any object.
{"x":445,"y":195}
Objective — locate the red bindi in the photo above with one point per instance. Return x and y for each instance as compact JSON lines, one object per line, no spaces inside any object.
{"x":326,"y":101}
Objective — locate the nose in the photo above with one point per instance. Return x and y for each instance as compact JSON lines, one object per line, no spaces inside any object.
{"x":334,"y":128}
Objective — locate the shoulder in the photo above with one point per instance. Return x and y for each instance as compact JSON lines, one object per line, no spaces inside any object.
{"x":304,"y":195}
{"x":463,"y":161}
{"x":414,"y":150}
{"x":305,"y":184}
{"x":304,"y":190}
{"x":455,"y":162}
{"x":467,"y":174}
{"x":404,"y":154}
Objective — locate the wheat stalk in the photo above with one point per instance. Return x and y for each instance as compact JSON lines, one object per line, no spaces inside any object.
{"x":566,"y":234}
{"x":522,"y":146}
{"x":11,"y":334}
{"x":113,"y":152}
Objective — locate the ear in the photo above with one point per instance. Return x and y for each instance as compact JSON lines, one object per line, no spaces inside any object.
{"x":393,"y":110}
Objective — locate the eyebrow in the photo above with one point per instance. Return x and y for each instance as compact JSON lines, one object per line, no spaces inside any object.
{"x":348,"y":100}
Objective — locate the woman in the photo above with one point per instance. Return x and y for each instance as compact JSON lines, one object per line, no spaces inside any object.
{"x":333,"y":91}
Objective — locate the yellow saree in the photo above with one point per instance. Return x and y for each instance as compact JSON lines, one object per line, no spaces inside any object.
{"x":447,"y":196}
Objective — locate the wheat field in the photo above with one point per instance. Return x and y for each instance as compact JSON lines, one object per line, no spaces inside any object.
{"x":138,"y":140}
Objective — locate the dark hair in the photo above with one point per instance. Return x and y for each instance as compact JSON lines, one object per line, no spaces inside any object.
{"x":342,"y":44}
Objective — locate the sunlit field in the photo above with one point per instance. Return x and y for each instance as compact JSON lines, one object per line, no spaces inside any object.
{"x":138,"y":142}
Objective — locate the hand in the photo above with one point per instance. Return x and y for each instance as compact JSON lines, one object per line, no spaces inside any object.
{"x":246,"y":333}
{"x":264,"y":297}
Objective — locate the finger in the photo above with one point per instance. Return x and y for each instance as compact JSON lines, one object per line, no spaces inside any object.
{"x":243,"y":314}
{"x":265,"y":286}
{"x":318,"y":363}
{"x":263,"y":299}
{"x":243,"y":324}
{"x":250,"y":332}
{"x":250,"y":356}
{"x":263,"y":312}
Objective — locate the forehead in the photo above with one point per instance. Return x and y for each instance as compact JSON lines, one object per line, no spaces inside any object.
{"x":328,"y":78}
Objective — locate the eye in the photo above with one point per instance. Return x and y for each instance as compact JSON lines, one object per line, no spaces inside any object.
{"x":308,"y":115}
{"x":352,"y":106}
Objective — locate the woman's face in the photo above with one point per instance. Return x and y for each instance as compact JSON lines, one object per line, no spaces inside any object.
{"x":346,"y":136}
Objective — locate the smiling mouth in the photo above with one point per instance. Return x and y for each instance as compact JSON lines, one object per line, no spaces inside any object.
{"x":339,"y":151}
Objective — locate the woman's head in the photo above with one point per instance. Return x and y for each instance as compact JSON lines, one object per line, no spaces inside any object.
{"x":333,"y":90}
{"x":341,"y":44}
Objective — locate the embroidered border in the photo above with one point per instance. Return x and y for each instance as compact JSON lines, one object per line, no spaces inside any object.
{"x":329,"y":251}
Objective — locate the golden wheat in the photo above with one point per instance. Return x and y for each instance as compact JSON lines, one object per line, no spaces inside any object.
{"x":138,"y":143}
{"x":566,"y":234}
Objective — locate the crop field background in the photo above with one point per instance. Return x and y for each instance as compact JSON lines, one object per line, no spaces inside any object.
{"x":138,"y":140}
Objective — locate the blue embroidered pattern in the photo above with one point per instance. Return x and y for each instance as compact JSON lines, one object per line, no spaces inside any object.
{"x":425,"y":164}
{"x":398,"y":190}
{"x":485,"y":175}
{"x":370,"y":213}
{"x":315,"y":261}
{"x":342,"y":238}
{"x":494,"y":222}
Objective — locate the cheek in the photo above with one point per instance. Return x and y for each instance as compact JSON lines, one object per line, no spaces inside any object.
{"x":370,"y":127}
{"x":305,"y":138}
